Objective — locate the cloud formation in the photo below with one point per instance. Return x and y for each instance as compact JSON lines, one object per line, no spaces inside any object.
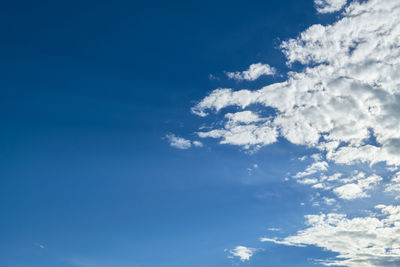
{"x":181,"y":143}
{"x":244,"y":129}
{"x":344,"y":101}
{"x":329,"y":6}
{"x":360,"y":241}
{"x":357,"y":189}
{"x":347,"y":94}
{"x":313,"y":168}
{"x":244,"y":253}
{"x":254,"y":72}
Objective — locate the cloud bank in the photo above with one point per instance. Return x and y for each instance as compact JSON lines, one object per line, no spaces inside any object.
{"x":361,"y":241}
{"x":344,"y":101}
{"x":347,"y":93}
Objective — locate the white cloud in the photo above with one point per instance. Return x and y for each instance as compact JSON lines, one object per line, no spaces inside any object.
{"x":394,"y":185}
{"x":329,"y":6}
{"x":244,"y":253}
{"x":350,"y":191}
{"x":359,"y":242}
{"x":357,"y":190}
{"x":316,"y":156}
{"x":308,"y":181}
{"x":178,"y":142}
{"x":245,"y":129}
{"x":344,"y":103}
{"x":348,"y":90}
{"x":197,"y":143}
{"x":303,"y":158}
{"x":181,"y":143}
{"x":329,"y":201}
{"x":348,"y":188}
{"x":253,"y":73}
{"x":313,"y":168}
{"x":39,"y":245}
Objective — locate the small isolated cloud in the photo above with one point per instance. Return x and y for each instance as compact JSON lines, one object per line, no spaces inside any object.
{"x":213,"y":77}
{"x":253,"y":73}
{"x":181,"y":143}
{"x":178,"y":142}
{"x":252,"y":168}
{"x":39,"y":245}
{"x":197,"y":143}
{"x":329,"y":6}
{"x":329,"y":201}
{"x":244,"y":253}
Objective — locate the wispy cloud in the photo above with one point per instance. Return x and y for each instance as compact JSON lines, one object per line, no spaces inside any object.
{"x":178,"y":142}
{"x":329,"y":6}
{"x":181,"y":143}
{"x":359,"y":242}
{"x":254,"y":72}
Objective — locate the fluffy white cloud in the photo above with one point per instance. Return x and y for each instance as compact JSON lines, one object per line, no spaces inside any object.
{"x":356,"y":186}
{"x":253,"y":73}
{"x":313,"y":168}
{"x":329,"y":6}
{"x":357,"y":190}
{"x":344,"y":102}
{"x":360,"y":241}
{"x":181,"y":143}
{"x":394,"y":185}
{"x":244,"y":253}
{"x":245,"y":129}
{"x":348,"y":92}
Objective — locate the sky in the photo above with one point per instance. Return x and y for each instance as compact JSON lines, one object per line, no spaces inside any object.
{"x":211,"y":133}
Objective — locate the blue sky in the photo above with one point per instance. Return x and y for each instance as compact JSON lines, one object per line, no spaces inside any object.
{"x":107,"y":153}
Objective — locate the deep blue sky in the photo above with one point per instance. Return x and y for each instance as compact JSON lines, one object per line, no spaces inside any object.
{"x":88,"y":90}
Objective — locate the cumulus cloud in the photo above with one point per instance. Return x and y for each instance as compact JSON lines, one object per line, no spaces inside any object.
{"x":254,"y":72}
{"x":357,"y":190}
{"x":181,"y":143}
{"x":178,"y":142}
{"x":329,"y":6}
{"x":244,"y":253}
{"x":343,"y":102}
{"x":360,"y":241}
{"x":348,"y":188}
{"x":348,"y":92}
{"x":244,"y":129}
